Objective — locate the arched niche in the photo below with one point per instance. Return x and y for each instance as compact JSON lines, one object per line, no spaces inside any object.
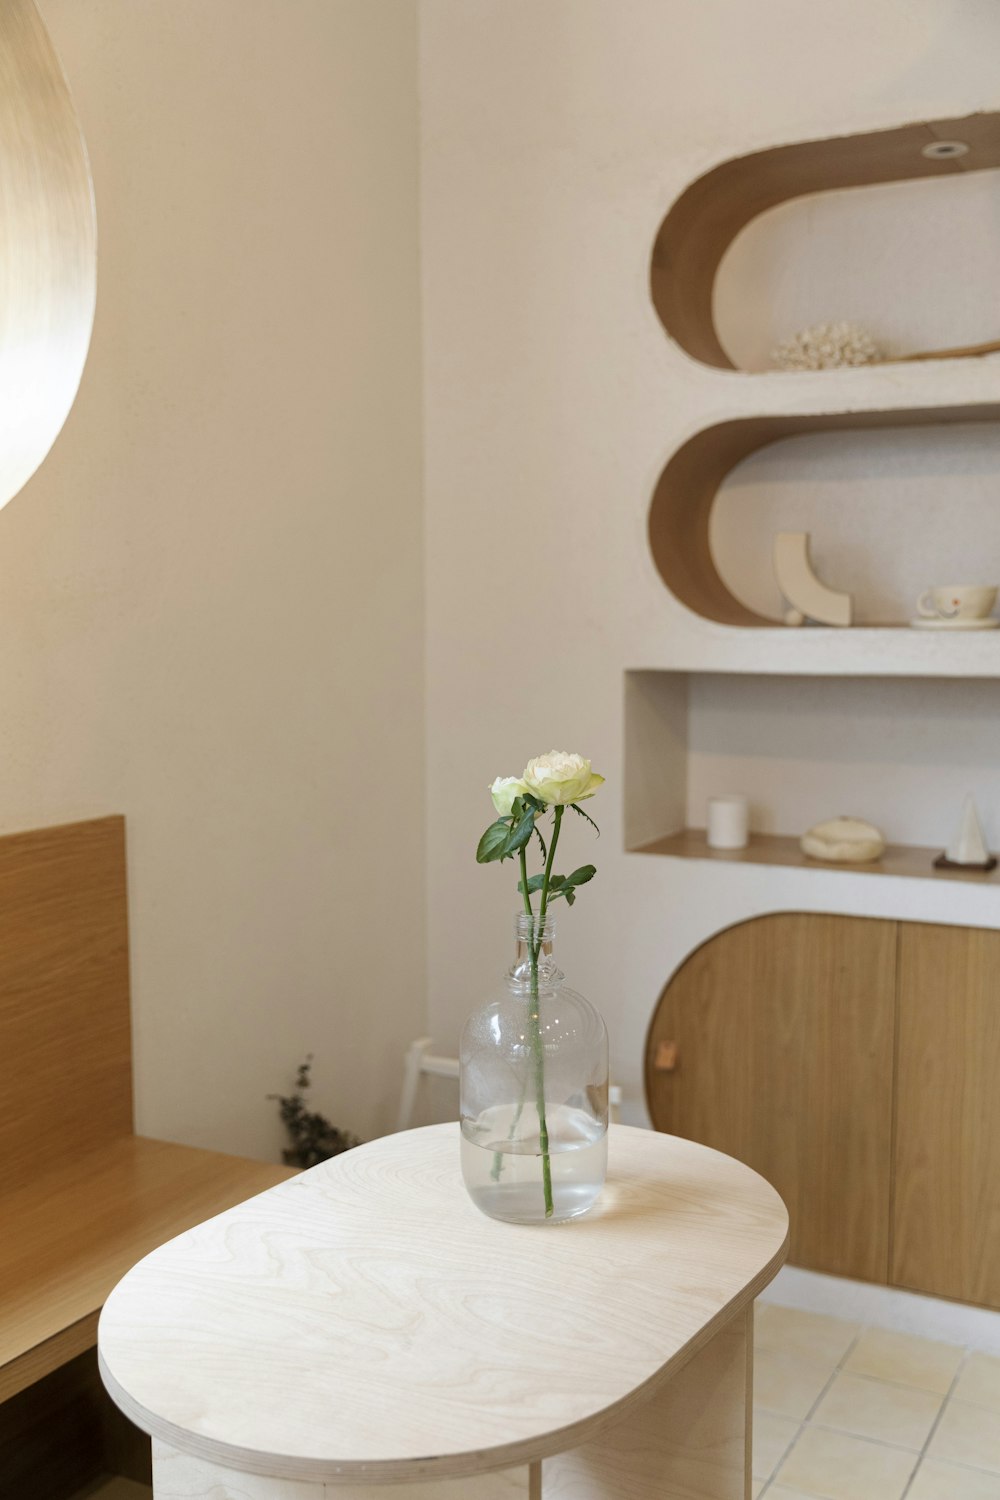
{"x":48,"y":244}
{"x":708,"y":215}
{"x":681,"y":509}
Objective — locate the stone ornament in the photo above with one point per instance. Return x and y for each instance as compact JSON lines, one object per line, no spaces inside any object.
{"x":848,"y":841}
{"x":808,"y":598}
{"x":967,"y":850}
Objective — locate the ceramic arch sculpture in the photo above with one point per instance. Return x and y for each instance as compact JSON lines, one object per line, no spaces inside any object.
{"x":810,"y":599}
{"x":48,"y":246}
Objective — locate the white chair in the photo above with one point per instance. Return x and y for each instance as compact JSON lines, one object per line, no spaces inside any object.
{"x":420,"y":1060}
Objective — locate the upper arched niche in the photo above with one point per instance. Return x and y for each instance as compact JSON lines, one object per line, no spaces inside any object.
{"x":48,"y":241}
{"x":708,"y":215}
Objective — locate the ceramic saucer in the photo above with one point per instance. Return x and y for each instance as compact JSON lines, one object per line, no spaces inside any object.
{"x":990,"y":623}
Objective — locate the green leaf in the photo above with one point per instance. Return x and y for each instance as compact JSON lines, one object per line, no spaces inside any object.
{"x":534,"y":802}
{"x":570,"y":895}
{"x":534,"y":884}
{"x":492,"y":842}
{"x":582,"y":875}
{"x":590,"y":820}
{"x":518,"y":836}
{"x":538,"y":836}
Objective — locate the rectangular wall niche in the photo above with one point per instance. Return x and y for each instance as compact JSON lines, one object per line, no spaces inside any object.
{"x":900,"y":752}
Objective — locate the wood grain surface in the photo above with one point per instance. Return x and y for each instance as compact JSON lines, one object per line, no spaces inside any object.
{"x":75,"y":1230}
{"x":365,"y":1322}
{"x":65,"y":1036}
{"x":946,"y":1216}
{"x":783,"y":1028}
{"x":48,"y":246}
{"x":178,"y":1476}
{"x":689,"y":1441}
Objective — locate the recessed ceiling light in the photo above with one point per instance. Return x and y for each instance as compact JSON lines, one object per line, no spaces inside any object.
{"x":940,"y":150}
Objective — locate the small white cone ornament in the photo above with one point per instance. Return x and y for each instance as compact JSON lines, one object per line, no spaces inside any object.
{"x":968,"y":848}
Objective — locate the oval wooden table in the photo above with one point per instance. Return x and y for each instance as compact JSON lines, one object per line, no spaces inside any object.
{"x":362,"y":1330}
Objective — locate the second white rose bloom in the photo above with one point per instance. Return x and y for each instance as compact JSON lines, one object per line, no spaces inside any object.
{"x":504,"y":790}
{"x":560,"y":778}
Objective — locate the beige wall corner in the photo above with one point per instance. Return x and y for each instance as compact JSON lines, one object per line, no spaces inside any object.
{"x":212,"y":590}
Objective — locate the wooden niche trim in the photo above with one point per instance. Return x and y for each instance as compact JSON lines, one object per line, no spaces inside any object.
{"x":682,"y":502}
{"x":708,"y":215}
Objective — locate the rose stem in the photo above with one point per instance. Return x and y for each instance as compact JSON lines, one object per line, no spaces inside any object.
{"x":536,"y":1044}
{"x":536,"y":948}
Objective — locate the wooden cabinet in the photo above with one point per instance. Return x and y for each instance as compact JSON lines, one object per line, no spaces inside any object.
{"x":856,"y":1065}
{"x":783,"y":1032}
{"x":946,"y":1203}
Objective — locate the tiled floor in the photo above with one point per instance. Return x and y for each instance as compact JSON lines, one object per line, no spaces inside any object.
{"x":843,"y":1412}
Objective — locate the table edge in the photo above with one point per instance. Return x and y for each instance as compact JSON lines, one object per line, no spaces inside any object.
{"x":464,"y":1465}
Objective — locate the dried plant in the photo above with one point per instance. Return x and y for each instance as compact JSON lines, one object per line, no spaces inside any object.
{"x":313,"y":1138}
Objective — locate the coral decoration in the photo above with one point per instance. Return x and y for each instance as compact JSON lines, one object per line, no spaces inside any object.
{"x":827,"y":346}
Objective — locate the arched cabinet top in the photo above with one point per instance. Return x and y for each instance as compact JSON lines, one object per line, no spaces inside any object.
{"x":708,"y":215}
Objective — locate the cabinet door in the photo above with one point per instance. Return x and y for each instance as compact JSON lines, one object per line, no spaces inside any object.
{"x":946,"y":1211}
{"x":783,"y":1029}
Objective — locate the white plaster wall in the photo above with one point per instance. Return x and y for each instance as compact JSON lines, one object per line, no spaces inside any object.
{"x":554,"y":139}
{"x":212,"y":590}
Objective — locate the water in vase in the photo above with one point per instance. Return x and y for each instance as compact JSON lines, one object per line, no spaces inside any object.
{"x":502,"y":1162}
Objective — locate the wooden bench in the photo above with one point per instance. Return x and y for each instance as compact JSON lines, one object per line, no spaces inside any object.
{"x":82,"y":1198}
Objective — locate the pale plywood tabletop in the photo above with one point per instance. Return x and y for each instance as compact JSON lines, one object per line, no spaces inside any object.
{"x":364,"y":1320}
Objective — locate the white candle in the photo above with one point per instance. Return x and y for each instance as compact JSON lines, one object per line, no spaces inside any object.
{"x":728,"y":823}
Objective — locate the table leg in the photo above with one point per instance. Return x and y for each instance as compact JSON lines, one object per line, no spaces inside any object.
{"x":688,"y":1441}
{"x":179,"y":1476}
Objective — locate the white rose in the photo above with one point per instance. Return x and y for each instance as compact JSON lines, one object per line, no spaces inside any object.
{"x":560,"y":778}
{"x":504,"y":790}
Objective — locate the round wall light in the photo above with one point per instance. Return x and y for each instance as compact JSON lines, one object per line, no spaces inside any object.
{"x":48,"y":247}
{"x":943,"y":150}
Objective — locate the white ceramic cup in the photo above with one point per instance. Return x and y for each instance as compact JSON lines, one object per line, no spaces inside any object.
{"x":958,"y":601}
{"x":728,"y":823}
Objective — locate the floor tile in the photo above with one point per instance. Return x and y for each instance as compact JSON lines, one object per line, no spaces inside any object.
{"x":940,"y":1481}
{"x":757,"y":1487}
{"x":779,"y":1492}
{"x":802,"y":1332}
{"x":979,"y":1382}
{"x":772,"y":1437}
{"x":836,"y":1466}
{"x":788,"y":1382}
{"x":905,"y":1359}
{"x":874,"y":1409}
{"x":967,"y":1435}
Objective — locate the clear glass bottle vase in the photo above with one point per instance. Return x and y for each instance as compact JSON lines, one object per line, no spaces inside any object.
{"x":534,"y":1091}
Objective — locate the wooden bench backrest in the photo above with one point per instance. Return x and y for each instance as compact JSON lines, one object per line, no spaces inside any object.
{"x":65,"y":1039}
